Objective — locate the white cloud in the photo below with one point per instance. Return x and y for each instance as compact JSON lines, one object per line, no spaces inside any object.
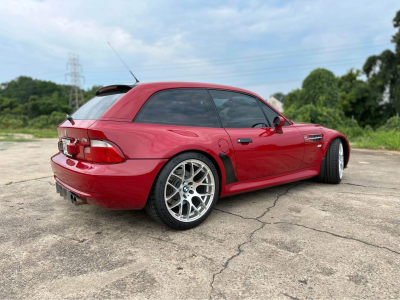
{"x":192,"y":36}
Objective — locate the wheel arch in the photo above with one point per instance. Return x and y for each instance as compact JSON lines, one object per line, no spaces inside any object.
{"x":220,"y":171}
{"x":346,"y":147}
{"x":346,"y":150}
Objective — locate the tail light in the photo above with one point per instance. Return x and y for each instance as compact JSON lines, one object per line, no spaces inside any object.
{"x":101,"y":151}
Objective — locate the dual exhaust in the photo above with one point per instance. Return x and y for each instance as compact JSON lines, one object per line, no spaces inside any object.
{"x":68,"y":195}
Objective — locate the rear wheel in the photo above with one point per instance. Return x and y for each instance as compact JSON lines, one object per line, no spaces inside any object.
{"x":332,"y":166}
{"x":185,"y":191}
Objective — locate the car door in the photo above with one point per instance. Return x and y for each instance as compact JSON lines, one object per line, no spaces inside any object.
{"x":260,"y":151}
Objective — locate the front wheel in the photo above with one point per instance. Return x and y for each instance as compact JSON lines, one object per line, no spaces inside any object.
{"x":185,"y":191}
{"x":332,"y":166}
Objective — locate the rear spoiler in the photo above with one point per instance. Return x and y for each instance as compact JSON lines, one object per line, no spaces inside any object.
{"x":114,"y":89}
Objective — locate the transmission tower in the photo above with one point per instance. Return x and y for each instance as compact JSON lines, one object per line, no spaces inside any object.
{"x":74,"y":69}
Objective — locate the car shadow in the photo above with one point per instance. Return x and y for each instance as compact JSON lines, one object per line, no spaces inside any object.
{"x":138,"y":219}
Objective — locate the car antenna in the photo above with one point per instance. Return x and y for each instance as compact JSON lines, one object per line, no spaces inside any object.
{"x":126,"y":66}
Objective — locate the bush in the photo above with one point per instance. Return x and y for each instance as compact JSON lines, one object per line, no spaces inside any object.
{"x":393,"y":124}
{"x":368,"y":129}
{"x":47,"y":121}
{"x":12,"y":122}
{"x":351,"y":129}
{"x":329,"y":117}
{"x":293,"y":97}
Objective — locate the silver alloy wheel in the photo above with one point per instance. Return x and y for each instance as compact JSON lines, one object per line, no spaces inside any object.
{"x":189,"y":190}
{"x":341,"y":161}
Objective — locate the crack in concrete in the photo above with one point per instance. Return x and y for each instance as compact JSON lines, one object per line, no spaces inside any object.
{"x":276,"y":200}
{"x":372,"y":187}
{"x":291,"y":297}
{"x":240,"y":246}
{"x":265,"y":212}
{"x":318,"y":230}
{"x":367,"y":194}
{"x":236,"y":215}
{"x":14,"y":182}
{"x":180,"y":245}
{"x":240,"y":250}
{"x":226,"y":264}
{"x":71,"y":238}
{"x":338,"y":235}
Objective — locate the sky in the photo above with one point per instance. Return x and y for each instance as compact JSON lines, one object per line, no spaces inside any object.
{"x":263,"y":46}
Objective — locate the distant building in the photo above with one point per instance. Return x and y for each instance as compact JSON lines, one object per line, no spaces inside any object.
{"x":278,"y":105}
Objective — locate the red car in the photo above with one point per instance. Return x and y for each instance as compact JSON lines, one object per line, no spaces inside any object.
{"x":174,"y":148}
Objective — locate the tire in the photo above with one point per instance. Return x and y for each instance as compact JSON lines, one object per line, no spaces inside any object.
{"x":332,"y":165}
{"x":183,"y":200}
{"x":321,"y":175}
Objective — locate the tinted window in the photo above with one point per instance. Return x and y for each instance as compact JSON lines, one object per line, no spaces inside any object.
{"x":237,"y":110}
{"x":183,"y":107}
{"x":270,"y":113}
{"x":95,"y":108}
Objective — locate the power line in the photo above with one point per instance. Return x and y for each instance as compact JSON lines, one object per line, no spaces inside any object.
{"x":230,"y":74}
{"x":265,"y":71}
{"x":275,"y":55}
{"x":244,"y":59}
{"x":75,"y":67}
{"x":236,"y":60}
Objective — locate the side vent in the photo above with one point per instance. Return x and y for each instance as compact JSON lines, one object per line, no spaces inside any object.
{"x":313,"y":137}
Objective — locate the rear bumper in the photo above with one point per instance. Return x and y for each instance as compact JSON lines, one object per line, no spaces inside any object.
{"x":114,"y":186}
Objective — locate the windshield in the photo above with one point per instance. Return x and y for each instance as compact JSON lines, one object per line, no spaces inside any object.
{"x":96,"y":107}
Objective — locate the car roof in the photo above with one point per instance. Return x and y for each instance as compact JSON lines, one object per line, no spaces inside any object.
{"x":184,"y":84}
{"x":129,"y":105}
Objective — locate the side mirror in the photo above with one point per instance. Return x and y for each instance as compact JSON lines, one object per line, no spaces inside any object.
{"x":279,"y":122}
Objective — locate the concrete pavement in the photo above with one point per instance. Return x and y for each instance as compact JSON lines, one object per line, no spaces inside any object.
{"x":296,"y":241}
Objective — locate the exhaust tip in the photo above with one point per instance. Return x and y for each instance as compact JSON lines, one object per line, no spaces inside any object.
{"x":78,"y":201}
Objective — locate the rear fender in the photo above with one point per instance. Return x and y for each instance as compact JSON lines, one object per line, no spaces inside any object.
{"x":150,"y":141}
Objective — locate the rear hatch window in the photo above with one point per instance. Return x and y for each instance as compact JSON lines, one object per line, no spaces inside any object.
{"x":95,"y":108}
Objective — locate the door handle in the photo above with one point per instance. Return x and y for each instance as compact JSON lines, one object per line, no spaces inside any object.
{"x":244,"y":141}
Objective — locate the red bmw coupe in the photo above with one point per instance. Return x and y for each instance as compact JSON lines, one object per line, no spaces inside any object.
{"x":174,"y":148}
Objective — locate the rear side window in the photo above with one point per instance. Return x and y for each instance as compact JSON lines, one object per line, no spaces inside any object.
{"x":237,"y":110}
{"x":181,"y":107}
{"x":95,"y":108}
{"x":270,"y":113}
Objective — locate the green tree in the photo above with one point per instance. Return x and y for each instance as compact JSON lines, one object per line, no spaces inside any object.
{"x":23,"y":87}
{"x":37,"y":103}
{"x":383,"y":71}
{"x":7,"y":105}
{"x":320,"y":89}
{"x":294,"y":97}
{"x":309,"y":113}
{"x":361,"y":100}
{"x":317,"y":101}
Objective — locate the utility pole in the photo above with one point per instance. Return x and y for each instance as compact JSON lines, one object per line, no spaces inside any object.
{"x":75,"y":68}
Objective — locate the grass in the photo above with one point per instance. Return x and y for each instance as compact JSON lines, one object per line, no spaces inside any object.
{"x":37,"y":133}
{"x":11,"y":137}
{"x":389,"y":140}
{"x":32,"y":134}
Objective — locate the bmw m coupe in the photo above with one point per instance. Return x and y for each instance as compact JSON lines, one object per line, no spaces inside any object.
{"x":174,"y":148}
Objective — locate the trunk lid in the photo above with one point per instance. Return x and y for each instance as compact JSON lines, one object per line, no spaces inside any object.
{"x":76,"y":132}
